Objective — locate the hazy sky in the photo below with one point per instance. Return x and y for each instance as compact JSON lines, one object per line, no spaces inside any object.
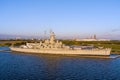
{"x":74,"y":18}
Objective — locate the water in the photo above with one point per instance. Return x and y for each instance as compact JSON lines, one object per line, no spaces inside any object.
{"x":17,"y":66}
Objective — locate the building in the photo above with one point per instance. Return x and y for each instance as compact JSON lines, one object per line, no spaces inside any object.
{"x":92,"y":38}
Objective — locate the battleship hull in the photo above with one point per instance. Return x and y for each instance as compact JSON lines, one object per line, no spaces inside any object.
{"x":97,"y":52}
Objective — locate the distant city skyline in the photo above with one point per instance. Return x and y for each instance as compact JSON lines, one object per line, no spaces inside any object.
{"x":67,"y":18}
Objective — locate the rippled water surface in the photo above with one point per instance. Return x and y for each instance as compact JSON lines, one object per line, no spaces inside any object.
{"x":20,"y":66}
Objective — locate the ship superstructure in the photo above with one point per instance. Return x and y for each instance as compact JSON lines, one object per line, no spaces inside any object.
{"x":53,"y":46}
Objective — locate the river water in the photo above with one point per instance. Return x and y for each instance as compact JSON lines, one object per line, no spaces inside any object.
{"x":20,"y":66}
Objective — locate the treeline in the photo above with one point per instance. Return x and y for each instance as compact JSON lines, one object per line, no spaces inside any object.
{"x":16,"y":42}
{"x":72,"y":42}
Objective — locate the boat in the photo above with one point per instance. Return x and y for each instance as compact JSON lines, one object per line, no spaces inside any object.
{"x":53,"y":46}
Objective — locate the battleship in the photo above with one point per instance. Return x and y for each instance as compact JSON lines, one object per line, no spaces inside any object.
{"x":53,"y":46}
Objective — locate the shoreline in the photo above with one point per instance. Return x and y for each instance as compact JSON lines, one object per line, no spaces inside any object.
{"x":115,"y":53}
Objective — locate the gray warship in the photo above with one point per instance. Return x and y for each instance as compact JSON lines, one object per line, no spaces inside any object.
{"x":53,"y":46}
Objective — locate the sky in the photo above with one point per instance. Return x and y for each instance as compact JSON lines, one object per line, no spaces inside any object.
{"x":67,"y":18}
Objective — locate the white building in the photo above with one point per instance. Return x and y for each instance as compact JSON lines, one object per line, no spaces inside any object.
{"x":92,"y":39}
